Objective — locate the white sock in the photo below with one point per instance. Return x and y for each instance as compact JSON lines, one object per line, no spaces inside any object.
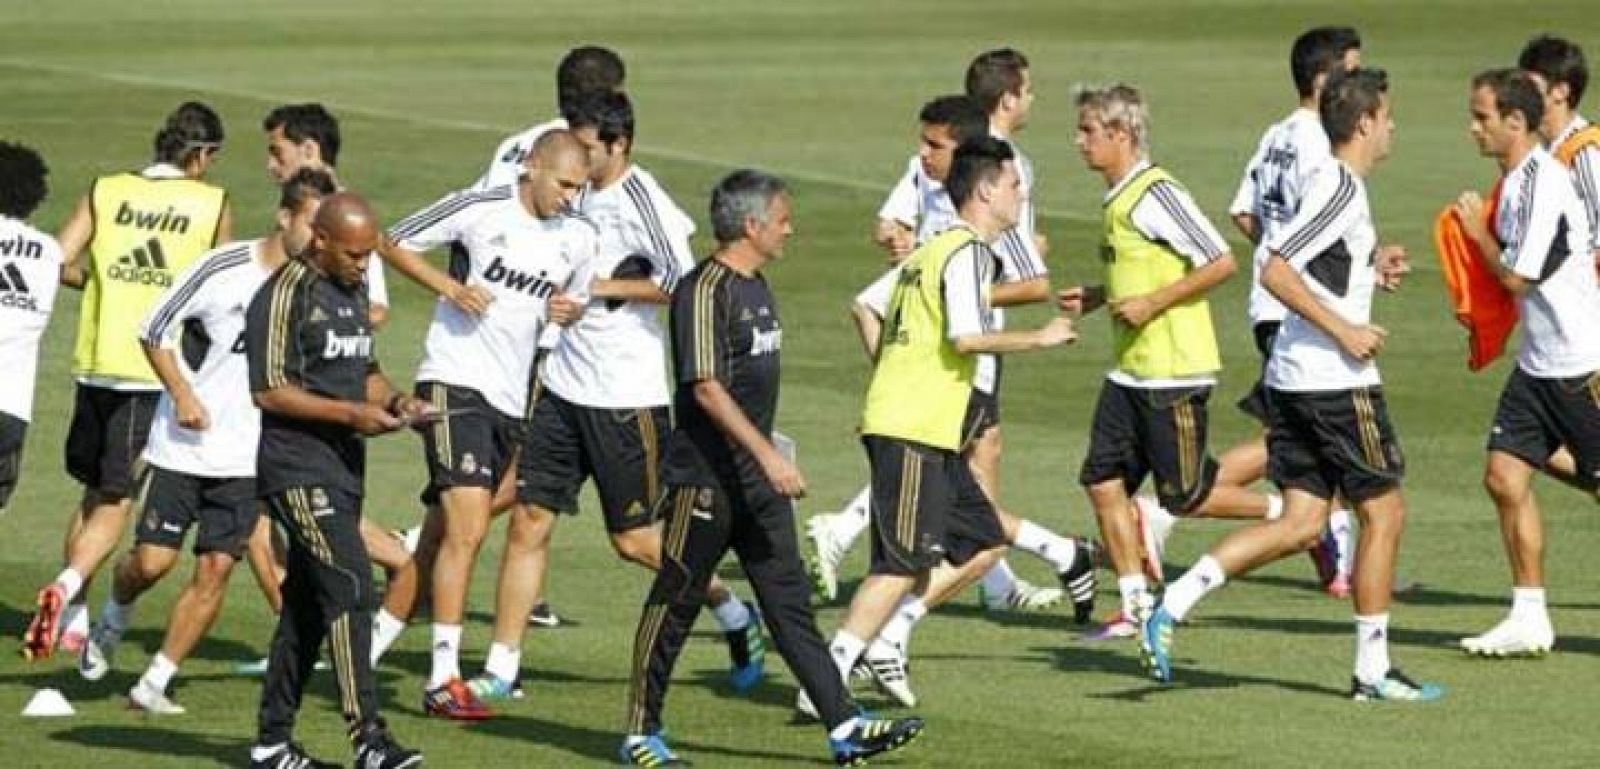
{"x":159,"y":673}
{"x":1527,"y":603}
{"x":75,"y":620}
{"x":1343,"y":528}
{"x":386,"y":629}
{"x":843,"y":731}
{"x":999,"y":580}
{"x":1204,"y":577}
{"x":261,"y":753}
{"x":731,"y":614}
{"x":504,"y":662}
{"x":1132,"y":587}
{"x":115,"y":616}
{"x":446,"y":655}
{"x":410,"y":538}
{"x":1274,"y":507}
{"x":854,"y":519}
{"x":70,"y":581}
{"x":897,"y":631}
{"x":846,"y":649}
{"x":1372,"y":648}
{"x":1052,"y":547}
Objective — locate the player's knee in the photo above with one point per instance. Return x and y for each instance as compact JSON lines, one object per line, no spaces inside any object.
{"x":529,"y":530}
{"x":211,"y":572}
{"x":148,"y":564}
{"x":637,"y":546}
{"x":1502,"y":482}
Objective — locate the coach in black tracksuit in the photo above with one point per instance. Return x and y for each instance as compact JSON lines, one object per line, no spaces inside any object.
{"x":309,"y":345}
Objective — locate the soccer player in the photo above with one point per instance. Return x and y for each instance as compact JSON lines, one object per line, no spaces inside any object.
{"x":140,"y":229}
{"x":522,"y":246}
{"x":931,"y":519}
{"x":308,"y":341}
{"x":1269,"y":195}
{"x":1161,"y":258}
{"x":583,"y":70}
{"x":1536,"y":247}
{"x":307,"y":136}
{"x":728,"y":486}
{"x":30,"y":267}
{"x":601,"y":409}
{"x":1330,"y":432}
{"x":200,"y":462}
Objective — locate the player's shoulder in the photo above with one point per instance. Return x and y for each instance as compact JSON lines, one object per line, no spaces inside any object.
{"x":227,"y":256}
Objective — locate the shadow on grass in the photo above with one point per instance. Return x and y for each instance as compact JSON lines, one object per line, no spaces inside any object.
{"x":602,"y":744}
{"x":155,"y":740}
{"x":1405,"y":636}
{"x":1117,"y":659}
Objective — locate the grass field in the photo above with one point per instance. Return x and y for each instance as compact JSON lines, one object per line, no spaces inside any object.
{"x":826,"y":93}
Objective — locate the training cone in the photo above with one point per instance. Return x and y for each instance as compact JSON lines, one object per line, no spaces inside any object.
{"x":48,"y":702}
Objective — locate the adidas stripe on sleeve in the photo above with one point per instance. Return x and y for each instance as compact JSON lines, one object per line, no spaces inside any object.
{"x":699,"y":325}
{"x":1168,"y":214}
{"x":1327,"y":213}
{"x":444,"y":221}
{"x":274,"y":357}
{"x":666,"y":232}
{"x":187,"y":298}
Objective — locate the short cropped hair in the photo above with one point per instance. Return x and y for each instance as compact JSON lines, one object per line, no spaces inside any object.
{"x":305,"y":184}
{"x":965,"y":119}
{"x":1347,"y":97}
{"x":994,"y":74}
{"x":586,"y":69}
{"x":191,"y":128}
{"x":22,"y":180}
{"x":1319,"y":51}
{"x":1119,"y":106}
{"x":976,"y":161}
{"x":1557,"y":61}
{"x":307,"y":121}
{"x":1513,"y":91}
{"x":610,"y":113}
{"x":741,"y":196}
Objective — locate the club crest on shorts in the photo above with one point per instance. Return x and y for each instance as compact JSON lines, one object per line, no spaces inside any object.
{"x":319,"y":499}
{"x":703,"y":499}
{"x":469,"y":463}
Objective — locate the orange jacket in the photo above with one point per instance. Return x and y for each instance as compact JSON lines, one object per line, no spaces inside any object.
{"x":1481,"y":303}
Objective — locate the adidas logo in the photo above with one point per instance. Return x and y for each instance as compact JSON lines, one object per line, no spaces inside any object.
{"x":14,"y":291}
{"x":318,"y":316}
{"x":145,"y":265}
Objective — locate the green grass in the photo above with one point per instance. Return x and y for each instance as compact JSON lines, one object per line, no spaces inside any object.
{"x":826,"y":92}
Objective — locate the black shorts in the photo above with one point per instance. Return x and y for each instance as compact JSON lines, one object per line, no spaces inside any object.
{"x":926,"y":508}
{"x":167,"y":503}
{"x":1152,"y":431}
{"x":983,"y":415}
{"x":1254,"y":402}
{"x":1333,"y":443}
{"x":473,"y":447}
{"x":13,"y":434}
{"x":107,"y":436}
{"x":1536,"y":416}
{"x":620,"y":448}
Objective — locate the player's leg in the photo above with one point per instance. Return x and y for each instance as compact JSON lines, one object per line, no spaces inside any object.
{"x":296,"y":642}
{"x":832,"y":535}
{"x":261,"y":554}
{"x":521,"y":582}
{"x":1111,"y":469}
{"x":400,"y":590}
{"x":193,"y":614}
{"x":1000,"y":588}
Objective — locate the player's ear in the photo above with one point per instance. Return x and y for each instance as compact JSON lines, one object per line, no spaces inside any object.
{"x":283,"y":217}
{"x":1560,"y":92}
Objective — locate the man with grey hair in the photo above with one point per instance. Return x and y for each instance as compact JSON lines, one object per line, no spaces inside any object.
{"x":727,"y":485}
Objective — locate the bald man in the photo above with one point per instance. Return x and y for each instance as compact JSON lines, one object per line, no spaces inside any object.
{"x":514,"y":248}
{"x":308,"y":339}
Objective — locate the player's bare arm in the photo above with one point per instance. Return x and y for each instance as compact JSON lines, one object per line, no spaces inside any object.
{"x":1138,"y":310}
{"x":470,"y":299}
{"x":74,"y":239}
{"x":1030,"y":291}
{"x":1469,"y":208}
{"x":1359,"y":342}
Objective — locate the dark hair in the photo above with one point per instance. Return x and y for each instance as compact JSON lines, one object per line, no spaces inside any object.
{"x":1349,"y":96}
{"x":307,"y":183}
{"x":1513,"y":91}
{"x":22,"y":185}
{"x":1557,"y":61}
{"x":610,"y":113}
{"x":742,"y":195}
{"x":965,"y":119}
{"x":586,"y":69}
{"x":191,"y":128}
{"x":1319,"y":51}
{"x":993,"y":75}
{"x":307,"y":121}
{"x":978,"y":160}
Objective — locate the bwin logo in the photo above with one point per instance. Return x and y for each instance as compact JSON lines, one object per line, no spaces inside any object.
{"x":765,"y":342}
{"x":159,"y":221}
{"x":535,"y":285}
{"x":352,"y":346}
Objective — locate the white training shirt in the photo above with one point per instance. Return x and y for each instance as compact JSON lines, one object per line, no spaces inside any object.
{"x":968,"y":274}
{"x":1168,"y":214}
{"x":614,"y":356}
{"x":1586,"y":177}
{"x":1331,"y":243}
{"x":1271,"y":190}
{"x":522,"y":260}
{"x":30,"y":271}
{"x":506,"y":165}
{"x":377,"y":284}
{"x":209,"y":298}
{"x":1544,"y":236}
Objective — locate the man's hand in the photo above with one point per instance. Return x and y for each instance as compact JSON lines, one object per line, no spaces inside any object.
{"x":1135,"y":310}
{"x":564,"y":309}
{"x":899,"y":244}
{"x":1363,"y":342}
{"x":1469,"y":208}
{"x":371,"y":419}
{"x":1077,"y":301}
{"x":1058,"y":331}
{"x":783,"y":476}
{"x":412,"y":411}
{"x":1392,"y":266}
{"x":191,"y":413}
{"x":472,"y":300}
